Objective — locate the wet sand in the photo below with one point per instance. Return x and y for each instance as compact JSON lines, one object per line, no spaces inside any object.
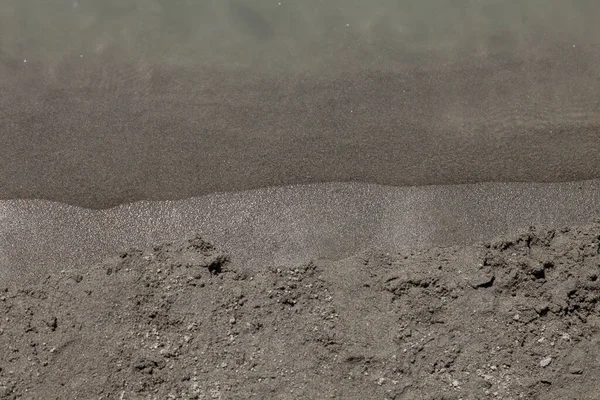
{"x":163,"y":101}
{"x":102,"y":135}
{"x":288,"y":224}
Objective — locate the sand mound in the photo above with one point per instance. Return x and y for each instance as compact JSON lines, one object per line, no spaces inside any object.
{"x":518,"y":317}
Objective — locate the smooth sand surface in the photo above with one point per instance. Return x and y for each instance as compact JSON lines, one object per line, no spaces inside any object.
{"x":186,"y":132}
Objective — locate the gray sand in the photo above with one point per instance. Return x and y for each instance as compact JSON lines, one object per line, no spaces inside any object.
{"x":288,"y":224}
{"x":351,"y":163}
{"x":513,"y":318}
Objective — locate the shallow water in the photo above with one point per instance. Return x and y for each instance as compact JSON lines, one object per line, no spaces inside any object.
{"x":112,"y":103}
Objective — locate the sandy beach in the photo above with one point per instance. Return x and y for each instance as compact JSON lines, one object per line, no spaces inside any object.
{"x":273,"y":200}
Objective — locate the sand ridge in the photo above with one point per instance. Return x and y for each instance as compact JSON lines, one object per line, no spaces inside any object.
{"x":288,"y":224}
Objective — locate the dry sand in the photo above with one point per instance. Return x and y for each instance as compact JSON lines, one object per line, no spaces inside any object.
{"x":514,"y":318}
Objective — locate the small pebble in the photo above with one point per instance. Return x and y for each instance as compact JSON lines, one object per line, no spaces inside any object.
{"x":575,"y":370}
{"x":544,"y":362}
